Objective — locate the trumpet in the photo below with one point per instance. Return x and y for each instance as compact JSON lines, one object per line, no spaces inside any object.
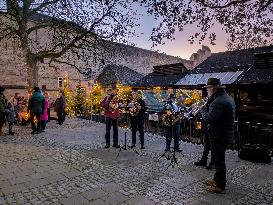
{"x":196,"y":107}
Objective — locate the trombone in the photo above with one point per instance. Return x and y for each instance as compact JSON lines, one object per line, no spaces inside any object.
{"x":196,"y":107}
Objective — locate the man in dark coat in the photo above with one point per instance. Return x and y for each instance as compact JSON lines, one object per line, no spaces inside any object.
{"x":172,"y":126}
{"x":220,"y":121}
{"x":60,"y":105}
{"x":36,"y":106}
{"x":137,"y":118}
{"x":206,"y":143}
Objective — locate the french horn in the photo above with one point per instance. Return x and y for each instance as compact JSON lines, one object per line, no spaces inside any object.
{"x":135,"y":109}
{"x":113,"y":104}
{"x":170,"y":117}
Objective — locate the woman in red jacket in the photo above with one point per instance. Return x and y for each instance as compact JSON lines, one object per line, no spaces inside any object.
{"x":111,"y":112}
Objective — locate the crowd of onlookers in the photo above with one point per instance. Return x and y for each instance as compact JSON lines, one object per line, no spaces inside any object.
{"x":35,"y":110}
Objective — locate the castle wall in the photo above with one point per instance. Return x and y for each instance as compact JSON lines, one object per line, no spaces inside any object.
{"x":14,"y":75}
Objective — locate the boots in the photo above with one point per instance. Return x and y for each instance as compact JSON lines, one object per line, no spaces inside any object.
{"x":201,"y":162}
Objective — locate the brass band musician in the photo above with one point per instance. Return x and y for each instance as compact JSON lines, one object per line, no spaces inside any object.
{"x":171,"y":120}
{"x":207,"y":147}
{"x":111,"y":112}
{"x":137,"y":118}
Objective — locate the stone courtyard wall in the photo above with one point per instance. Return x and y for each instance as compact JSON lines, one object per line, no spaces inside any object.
{"x":14,"y":75}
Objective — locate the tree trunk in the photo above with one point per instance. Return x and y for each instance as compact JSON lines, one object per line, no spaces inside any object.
{"x":32,"y":72}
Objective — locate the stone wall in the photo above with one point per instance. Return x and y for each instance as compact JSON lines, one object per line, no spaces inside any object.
{"x":14,"y":75}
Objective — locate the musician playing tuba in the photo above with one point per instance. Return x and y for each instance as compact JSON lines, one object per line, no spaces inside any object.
{"x":111,"y":112}
{"x":171,"y":121}
{"x":137,"y":118}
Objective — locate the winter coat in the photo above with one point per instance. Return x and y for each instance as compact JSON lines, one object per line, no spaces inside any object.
{"x":60,"y":104}
{"x":105,"y":104}
{"x":44,"y":116}
{"x":220,"y":118}
{"x":36,"y":103}
{"x":3,"y":104}
{"x":10,"y":114}
{"x":140,"y":115}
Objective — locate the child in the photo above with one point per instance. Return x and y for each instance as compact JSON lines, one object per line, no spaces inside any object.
{"x":10,"y":117}
{"x":44,"y":116}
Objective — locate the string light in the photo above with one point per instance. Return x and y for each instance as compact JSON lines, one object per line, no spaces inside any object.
{"x":96,"y":97}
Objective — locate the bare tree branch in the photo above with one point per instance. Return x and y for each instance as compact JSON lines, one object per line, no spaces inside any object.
{"x":70,"y":64}
{"x":212,"y":5}
{"x":43,"y":5}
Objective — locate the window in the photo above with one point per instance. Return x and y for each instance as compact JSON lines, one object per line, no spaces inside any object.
{"x":60,"y":82}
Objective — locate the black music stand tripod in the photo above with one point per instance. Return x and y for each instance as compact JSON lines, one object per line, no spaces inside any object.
{"x":171,"y":155}
{"x":126,"y":127}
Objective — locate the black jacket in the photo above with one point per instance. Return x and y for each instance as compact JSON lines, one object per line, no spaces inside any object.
{"x":220,"y":118}
{"x":142,"y":111}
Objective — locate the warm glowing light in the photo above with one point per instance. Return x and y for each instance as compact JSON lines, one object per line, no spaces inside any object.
{"x":198,"y":125}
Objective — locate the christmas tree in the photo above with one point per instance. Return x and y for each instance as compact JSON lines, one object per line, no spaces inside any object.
{"x":69,"y":96}
{"x":96,"y":98}
{"x":124,"y":92}
{"x":78,"y":100}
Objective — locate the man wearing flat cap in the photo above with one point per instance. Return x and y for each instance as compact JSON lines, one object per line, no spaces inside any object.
{"x":220,"y":122}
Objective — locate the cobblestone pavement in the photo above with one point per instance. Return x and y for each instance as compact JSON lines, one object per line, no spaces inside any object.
{"x":68,"y":165}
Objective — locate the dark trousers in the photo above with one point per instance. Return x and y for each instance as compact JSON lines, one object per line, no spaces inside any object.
{"x":10,"y":127}
{"x":48,"y":113}
{"x":111,"y":122}
{"x":207,"y":147}
{"x":218,"y":153}
{"x":172,"y":132}
{"x":137,"y":125}
{"x":61,"y":116}
{"x":33,"y":125}
{"x":43,"y":124}
{"x":2,"y":120}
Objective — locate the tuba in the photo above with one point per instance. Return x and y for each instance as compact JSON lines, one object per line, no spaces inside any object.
{"x":113,"y":104}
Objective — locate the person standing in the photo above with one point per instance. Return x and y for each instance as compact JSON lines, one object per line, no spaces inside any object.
{"x":3,"y":105}
{"x":36,"y":107}
{"x":44,"y":116}
{"x":137,"y":118}
{"x":220,"y":124}
{"x":60,"y":106}
{"x":206,"y":142}
{"x":171,"y":121}
{"x":111,"y":113}
{"x":10,"y":114}
{"x":15,"y":103}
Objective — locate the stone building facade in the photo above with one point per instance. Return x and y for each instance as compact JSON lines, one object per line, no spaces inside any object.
{"x":14,"y":75}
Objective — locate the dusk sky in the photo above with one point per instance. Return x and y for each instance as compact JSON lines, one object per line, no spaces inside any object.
{"x":180,"y":46}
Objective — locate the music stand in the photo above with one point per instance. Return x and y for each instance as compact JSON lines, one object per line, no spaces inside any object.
{"x":126,"y":126}
{"x":171,"y":156}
